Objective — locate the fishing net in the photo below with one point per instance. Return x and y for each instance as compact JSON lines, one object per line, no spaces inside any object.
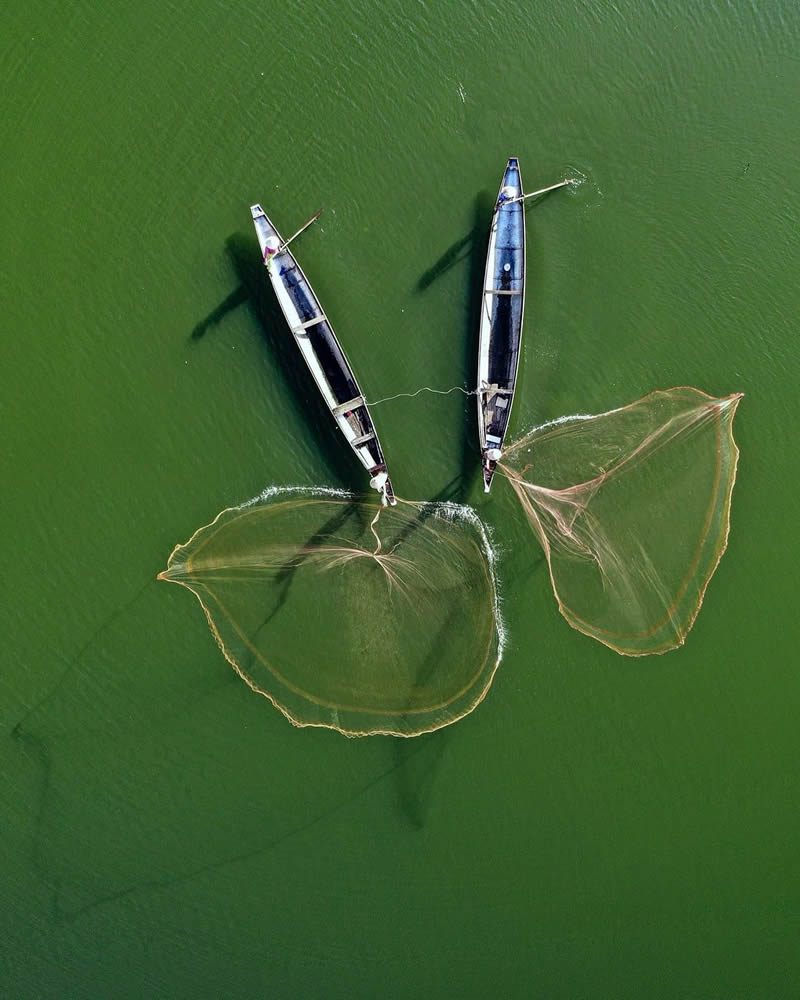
{"x":386,"y":621}
{"x":361,"y":621}
{"x":632,"y":509}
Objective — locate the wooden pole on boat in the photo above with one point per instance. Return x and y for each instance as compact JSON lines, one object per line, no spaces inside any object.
{"x":533,"y":194}
{"x":302,"y":229}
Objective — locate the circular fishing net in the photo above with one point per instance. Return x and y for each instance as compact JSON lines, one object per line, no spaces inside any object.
{"x":632,"y":509}
{"x":361,"y":621}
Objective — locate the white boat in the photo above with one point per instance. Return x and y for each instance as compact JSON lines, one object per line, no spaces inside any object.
{"x":502,"y":309}
{"x":322,"y":352}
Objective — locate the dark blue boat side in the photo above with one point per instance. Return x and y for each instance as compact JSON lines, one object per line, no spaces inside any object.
{"x":503,"y":306}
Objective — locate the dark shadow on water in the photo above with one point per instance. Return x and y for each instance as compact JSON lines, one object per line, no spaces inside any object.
{"x":285,"y":576}
{"x":237,"y":297}
{"x":447,"y":494}
{"x":73,"y":662}
{"x":418,"y":777}
{"x":306,"y":407}
{"x":460,"y":250}
{"x":416,"y":770}
{"x":416,"y":774}
{"x":417,"y":767}
{"x":469,"y":250}
{"x":364,"y":514}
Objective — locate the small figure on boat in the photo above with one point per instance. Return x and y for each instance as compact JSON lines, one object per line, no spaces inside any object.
{"x":271,"y":247}
{"x":506,"y":194}
{"x":380,"y":482}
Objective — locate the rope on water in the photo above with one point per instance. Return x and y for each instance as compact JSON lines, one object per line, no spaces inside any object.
{"x":374,"y":532}
{"x":425,"y":388}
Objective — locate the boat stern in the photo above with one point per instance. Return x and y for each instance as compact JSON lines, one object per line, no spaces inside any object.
{"x":489,"y":468}
{"x":381,"y":482}
{"x":490,"y":457}
{"x":387,"y":496}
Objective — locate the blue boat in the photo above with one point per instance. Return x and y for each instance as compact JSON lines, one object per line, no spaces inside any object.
{"x":502,"y":309}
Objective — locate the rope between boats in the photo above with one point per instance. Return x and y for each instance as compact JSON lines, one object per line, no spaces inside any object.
{"x":425,"y":388}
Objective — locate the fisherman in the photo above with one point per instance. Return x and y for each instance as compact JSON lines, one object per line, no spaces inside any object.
{"x":506,"y":194}
{"x":271,"y":247}
{"x":379,"y":482}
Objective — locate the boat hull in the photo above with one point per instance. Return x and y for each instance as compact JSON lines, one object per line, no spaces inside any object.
{"x":322,"y":352}
{"x":502,"y":311}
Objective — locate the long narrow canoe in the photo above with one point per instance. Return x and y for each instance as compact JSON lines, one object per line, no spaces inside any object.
{"x":502,"y":308}
{"x":322,"y":352}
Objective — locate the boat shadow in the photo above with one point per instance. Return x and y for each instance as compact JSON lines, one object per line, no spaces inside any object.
{"x":306,"y":406}
{"x":237,"y":298}
{"x":284,"y":578}
{"x":470,"y":251}
{"x":461,"y":250}
{"x":416,"y":770}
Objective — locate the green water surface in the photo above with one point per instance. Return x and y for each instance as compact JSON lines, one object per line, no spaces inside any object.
{"x":599,"y":827}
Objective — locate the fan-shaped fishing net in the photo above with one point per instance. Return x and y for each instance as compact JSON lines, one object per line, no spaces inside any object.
{"x":362,"y":622}
{"x":632,"y":509}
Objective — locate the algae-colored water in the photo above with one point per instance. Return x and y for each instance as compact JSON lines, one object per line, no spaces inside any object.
{"x":599,"y":827}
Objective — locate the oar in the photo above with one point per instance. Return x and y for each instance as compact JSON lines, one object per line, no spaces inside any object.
{"x":533,"y":194}
{"x":302,"y":229}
